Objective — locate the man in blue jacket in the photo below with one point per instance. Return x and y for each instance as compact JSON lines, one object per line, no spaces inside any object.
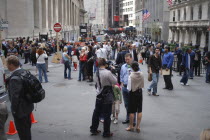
{"x":167,"y":63}
{"x":186,"y":63}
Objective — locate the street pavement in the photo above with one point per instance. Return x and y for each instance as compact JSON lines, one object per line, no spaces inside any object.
{"x":65,"y":113}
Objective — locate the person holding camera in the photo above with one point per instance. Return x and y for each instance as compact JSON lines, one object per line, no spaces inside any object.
{"x":207,"y":59}
{"x":155,"y":65}
{"x":104,"y":99}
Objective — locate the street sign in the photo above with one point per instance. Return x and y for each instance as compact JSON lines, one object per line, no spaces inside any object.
{"x":57,"y":27}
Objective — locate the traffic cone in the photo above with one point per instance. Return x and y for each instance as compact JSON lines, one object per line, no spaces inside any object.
{"x":12,"y":130}
{"x":32,"y":119}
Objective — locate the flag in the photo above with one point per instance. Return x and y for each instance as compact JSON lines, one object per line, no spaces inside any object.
{"x":170,"y":2}
{"x":146,"y":14}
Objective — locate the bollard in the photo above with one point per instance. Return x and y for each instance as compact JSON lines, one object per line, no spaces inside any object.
{"x":3,"y":118}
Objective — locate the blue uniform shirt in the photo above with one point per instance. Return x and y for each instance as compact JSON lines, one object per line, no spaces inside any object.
{"x":168,"y":59}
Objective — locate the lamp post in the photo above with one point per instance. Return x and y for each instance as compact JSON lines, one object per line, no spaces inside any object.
{"x":209,"y":38}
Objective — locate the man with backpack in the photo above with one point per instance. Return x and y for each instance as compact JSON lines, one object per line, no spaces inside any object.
{"x":24,"y":89}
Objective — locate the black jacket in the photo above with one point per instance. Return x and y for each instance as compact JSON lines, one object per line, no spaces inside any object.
{"x":19,"y":106}
{"x":135,"y":56}
{"x":121,"y":57}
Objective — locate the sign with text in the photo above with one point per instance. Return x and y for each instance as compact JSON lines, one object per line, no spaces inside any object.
{"x":57,"y":27}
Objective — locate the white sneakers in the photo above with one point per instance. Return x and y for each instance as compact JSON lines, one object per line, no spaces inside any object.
{"x":184,"y":84}
{"x":112,"y":118}
{"x":115,"y":121}
{"x":149,"y":92}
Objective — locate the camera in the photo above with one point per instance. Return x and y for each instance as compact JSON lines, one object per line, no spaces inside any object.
{"x":111,"y":67}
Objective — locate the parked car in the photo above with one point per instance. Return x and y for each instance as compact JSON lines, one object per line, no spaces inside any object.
{"x":3,"y":93}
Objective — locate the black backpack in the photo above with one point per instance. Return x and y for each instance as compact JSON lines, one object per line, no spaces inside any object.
{"x":33,"y":90}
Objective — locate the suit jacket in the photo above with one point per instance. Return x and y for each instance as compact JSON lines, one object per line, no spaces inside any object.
{"x":19,"y":105}
{"x":121,"y":57}
{"x":135,"y":58}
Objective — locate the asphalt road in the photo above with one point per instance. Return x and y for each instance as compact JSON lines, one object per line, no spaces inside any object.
{"x":66,"y":112}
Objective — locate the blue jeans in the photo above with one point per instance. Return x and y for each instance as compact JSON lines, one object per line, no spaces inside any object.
{"x":125,"y":93}
{"x":67,"y":66}
{"x":42,"y":69}
{"x":191,"y":72}
{"x":185,"y":77}
{"x":208,"y":73}
{"x":81,"y":70}
{"x":155,"y":79}
{"x":113,"y":54}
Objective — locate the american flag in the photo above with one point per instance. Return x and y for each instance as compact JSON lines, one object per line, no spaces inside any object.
{"x":146,"y":14}
{"x":170,"y":2}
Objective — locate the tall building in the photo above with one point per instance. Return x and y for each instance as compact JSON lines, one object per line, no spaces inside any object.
{"x":138,"y":14}
{"x":189,"y":22}
{"x":97,"y":14}
{"x":157,"y":25}
{"x":31,"y":17}
{"x":127,"y":12}
{"x":113,"y":13}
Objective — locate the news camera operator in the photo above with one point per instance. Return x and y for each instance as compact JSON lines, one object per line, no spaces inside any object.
{"x":104,"y":99}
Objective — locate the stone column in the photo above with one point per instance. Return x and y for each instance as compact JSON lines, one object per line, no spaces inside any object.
{"x":59,"y":11}
{"x":203,"y":39}
{"x":50,"y":14}
{"x":36,"y":13}
{"x":20,"y":15}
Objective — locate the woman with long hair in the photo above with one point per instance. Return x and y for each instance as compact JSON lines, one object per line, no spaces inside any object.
{"x":41,"y":66}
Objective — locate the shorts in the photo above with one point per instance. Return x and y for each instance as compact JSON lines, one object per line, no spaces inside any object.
{"x":116,"y":107}
{"x":74,"y":59}
{"x":135,"y":101}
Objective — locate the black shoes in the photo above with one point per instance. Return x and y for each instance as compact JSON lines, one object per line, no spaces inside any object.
{"x":155,"y":94}
{"x":93,"y":133}
{"x":125,"y":122}
{"x":107,"y":136}
{"x":168,"y":88}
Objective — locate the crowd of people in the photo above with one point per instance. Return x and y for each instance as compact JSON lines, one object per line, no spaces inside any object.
{"x":114,"y":66}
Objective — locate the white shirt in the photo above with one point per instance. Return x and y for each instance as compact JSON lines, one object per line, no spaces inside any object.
{"x":41,"y":58}
{"x":101,"y":53}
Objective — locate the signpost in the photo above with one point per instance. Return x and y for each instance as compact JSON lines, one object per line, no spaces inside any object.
{"x":57,"y":28}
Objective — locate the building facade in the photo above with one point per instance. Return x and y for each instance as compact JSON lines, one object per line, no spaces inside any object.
{"x":127,"y":12}
{"x":189,"y":22}
{"x":138,"y":13}
{"x":34,"y":17}
{"x":156,"y":27}
{"x":97,"y":15}
{"x":113,"y":10}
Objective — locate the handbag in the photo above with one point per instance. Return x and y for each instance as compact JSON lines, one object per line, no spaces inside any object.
{"x":149,"y":77}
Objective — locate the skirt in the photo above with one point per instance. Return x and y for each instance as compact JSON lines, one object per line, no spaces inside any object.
{"x":135,"y":101}
{"x":74,"y":59}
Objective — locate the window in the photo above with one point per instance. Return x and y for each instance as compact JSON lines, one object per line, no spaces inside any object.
{"x":178,"y":15}
{"x":200,"y":12}
{"x":174,"y":15}
{"x":191,"y":13}
{"x":185,"y":14}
